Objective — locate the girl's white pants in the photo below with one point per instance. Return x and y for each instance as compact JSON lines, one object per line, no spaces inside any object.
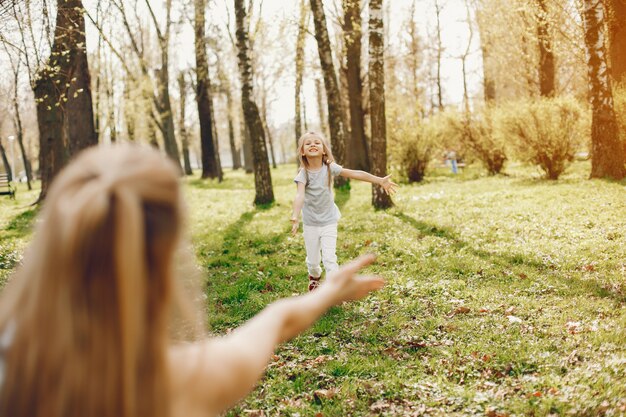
{"x":321,"y":244}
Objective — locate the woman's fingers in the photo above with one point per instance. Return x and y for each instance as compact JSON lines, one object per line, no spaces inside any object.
{"x":372,"y":282}
{"x":359,"y":263}
{"x":364,"y":285}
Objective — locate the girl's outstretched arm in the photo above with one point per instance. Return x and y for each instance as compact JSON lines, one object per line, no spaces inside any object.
{"x":389,"y":186}
{"x":225,"y":369}
{"x":298,"y":202}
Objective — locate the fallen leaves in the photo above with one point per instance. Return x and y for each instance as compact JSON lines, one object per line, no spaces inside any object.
{"x":590,"y":267}
{"x":459,"y":310}
{"x":254,"y":413}
{"x":325,"y":394}
{"x":573,"y":327}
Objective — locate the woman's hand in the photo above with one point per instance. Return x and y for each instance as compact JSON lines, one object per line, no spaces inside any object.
{"x":389,"y":186}
{"x":345,"y":285}
{"x":295,"y":224}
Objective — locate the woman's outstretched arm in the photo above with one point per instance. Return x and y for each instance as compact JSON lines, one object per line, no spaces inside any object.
{"x":228,"y":368}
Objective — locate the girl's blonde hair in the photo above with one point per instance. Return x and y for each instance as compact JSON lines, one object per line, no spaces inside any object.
{"x":90,"y":305}
{"x":327,"y":157}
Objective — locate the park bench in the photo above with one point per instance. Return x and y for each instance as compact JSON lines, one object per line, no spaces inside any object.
{"x":6,"y":188}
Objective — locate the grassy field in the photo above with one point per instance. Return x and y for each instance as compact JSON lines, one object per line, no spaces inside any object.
{"x":505,"y":295}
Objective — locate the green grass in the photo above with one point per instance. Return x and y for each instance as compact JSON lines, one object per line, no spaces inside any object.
{"x":505,"y":295}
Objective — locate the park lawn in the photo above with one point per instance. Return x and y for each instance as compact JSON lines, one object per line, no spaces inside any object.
{"x":505,"y":295}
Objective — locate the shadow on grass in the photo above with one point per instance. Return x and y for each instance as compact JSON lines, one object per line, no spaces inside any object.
{"x":242,"y":250}
{"x":342,"y":195}
{"x":507,"y":260}
{"x":21,"y":225}
{"x":239,"y":181}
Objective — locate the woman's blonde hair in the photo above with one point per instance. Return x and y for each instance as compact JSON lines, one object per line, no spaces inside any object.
{"x":327,"y":157}
{"x":91,"y":303}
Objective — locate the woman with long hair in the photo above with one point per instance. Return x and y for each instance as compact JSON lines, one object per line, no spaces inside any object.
{"x":85,"y":322}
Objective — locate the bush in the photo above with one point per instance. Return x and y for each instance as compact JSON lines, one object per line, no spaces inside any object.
{"x":478,"y":138}
{"x":546,"y":132}
{"x":410,"y":146}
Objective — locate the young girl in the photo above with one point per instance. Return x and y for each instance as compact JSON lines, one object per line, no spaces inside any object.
{"x":85,"y":323}
{"x":314,"y":197}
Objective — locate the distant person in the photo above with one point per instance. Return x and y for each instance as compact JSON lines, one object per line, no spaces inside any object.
{"x":451,"y":156}
{"x":314,"y":197}
{"x":85,"y":322}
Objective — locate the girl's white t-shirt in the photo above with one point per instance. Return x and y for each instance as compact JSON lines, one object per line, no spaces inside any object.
{"x":319,"y":205}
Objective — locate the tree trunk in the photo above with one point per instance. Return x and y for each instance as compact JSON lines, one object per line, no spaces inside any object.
{"x":111,"y":112}
{"x":225,"y":88}
{"x":164,"y":105}
{"x":5,"y":162}
{"x":489,"y":84}
{"x":266,"y":129}
{"x":300,"y":40}
{"x":216,"y":143}
{"x":343,"y":90}
{"x":150,"y":118}
{"x":438,"y":9}
{"x":184,"y":136}
{"x":333,"y":98}
{"x":464,"y":57}
{"x":320,"y":106}
{"x":166,"y":115}
{"x":262,"y":176}
{"x":616,"y":24}
{"x":19,"y":129}
{"x":51,"y":91}
{"x":235,"y":153}
{"x":415,"y":51}
{"x":380,"y":199}
{"x":210,"y":167}
{"x":358,"y":158}
{"x":546,"y":56}
{"x":530,"y":73}
{"x":79,"y":109}
{"x":150,"y":127}
{"x":248,"y":162}
{"x":607,"y":158}
{"x":129,"y":111}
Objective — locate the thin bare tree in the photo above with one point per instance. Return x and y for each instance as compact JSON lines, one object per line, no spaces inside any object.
{"x":160,"y":96}
{"x":15,"y":62}
{"x":300,"y":41}
{"x":358,"y":158}
{"x":486,"y":44}
{"x":546,"y":56}
{"x":226,"y":89}
{"x":465,"y":55}
{"x":440,"y":49}
{"x":319,"y":96}
{"x":380,"y":199}
{"x":210,"y":166}
{"x":333,"y":98}
{"x":264,"y":194}
{"x":182,"y":128}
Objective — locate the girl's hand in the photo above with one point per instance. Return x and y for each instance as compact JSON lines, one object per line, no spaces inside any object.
{"x":389,"y":186}
{"x":295,"y":224}
{"x":345,"y":285}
